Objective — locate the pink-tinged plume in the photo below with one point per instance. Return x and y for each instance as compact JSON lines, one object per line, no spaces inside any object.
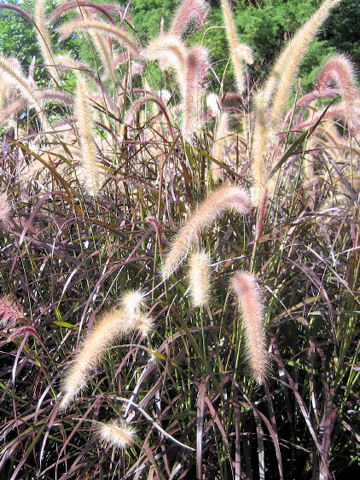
{"x":340,"y":70}
{"x":224,"y":198}
{"x":197,"y":63}
{"x":10,"y":311}
{"x":250,"y":305}
{"x":189,"y":11}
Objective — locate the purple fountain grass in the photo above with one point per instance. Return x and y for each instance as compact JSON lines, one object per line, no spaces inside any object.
{"x":271,"y":100}
{"x":251,"y":307}
{"x":224,"y":198}
{"x":339,"y":69}
{"x":188,"y":11}
{"x":259,"y":143}
{"x":12,"y":109}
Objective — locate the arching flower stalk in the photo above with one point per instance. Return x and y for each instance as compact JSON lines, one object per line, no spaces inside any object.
{"x":224,"y":198}
{"x":44,"y":40}
{"x":112,"y":325}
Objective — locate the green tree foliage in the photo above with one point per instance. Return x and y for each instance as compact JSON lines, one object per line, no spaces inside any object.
{"x":18,"y":38}
{"x":17,"y":35}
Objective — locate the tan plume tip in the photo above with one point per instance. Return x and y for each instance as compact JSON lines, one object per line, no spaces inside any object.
{"x":250,"y":305}
{"x":16,"y":76}
{"x":116,"y":434}
{"x":223,"y":198}
{"x":112,"y":324}
{"x":213,"y":104}
{"x":132,"y":301}
{"x":144,"y":325}
{"x":199,"y":277}
{"x":245,"y":52}
{"x":4,"y":209}
{"x":233,"y":45}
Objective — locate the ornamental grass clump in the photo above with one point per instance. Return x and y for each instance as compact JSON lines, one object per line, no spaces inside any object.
{"x":196,"y":388}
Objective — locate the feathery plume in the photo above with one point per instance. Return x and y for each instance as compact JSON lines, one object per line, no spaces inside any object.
{"x":213,"y":104}
{"x":12,"y":109}
{"x":116,"y":434}
{"x":87,"y":145}
{"x":340,"y":70}
{"x":247,"y":294}
{"x":132,"y":302}
{"x":284,"y":72}
{"x":188,"y":11}
{"x":100,"y":27}
{"x":102,"y":46}
{"x":10,"y":311}
{"x":15,"y":76}
{"x":113,"y":324}
{"x":170,"y":52}
{"x":259,"y":144}
{"x":199,"y":277}
{"x":197,"y":62}
{"x":245,"y":52}
{"x":221,"y":131}
{"x":236,"y":52}
{"x":44,"y":39}
{"x":4,"y":209}
{"x":223,"y":198}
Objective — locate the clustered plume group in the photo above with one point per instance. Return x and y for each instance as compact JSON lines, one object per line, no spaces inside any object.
{"x":267,"y":128}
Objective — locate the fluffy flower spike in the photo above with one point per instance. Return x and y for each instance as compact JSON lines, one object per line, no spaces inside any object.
{"x":116,"y":434}
{"x":250,"y":305}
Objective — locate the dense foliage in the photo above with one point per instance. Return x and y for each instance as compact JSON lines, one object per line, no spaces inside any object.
{"x":107,"y":184}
